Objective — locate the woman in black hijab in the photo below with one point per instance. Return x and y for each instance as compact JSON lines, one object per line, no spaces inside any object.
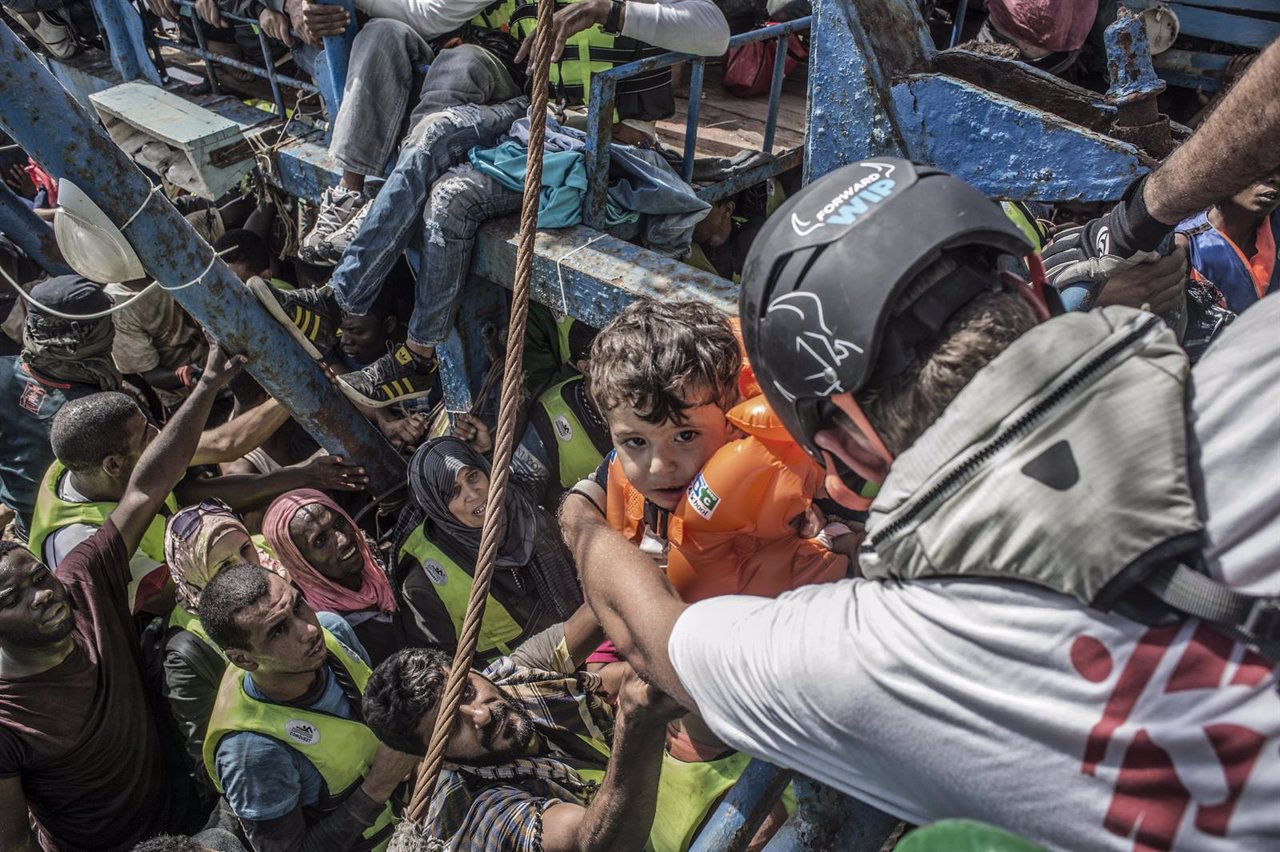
{"x":438,"y":541}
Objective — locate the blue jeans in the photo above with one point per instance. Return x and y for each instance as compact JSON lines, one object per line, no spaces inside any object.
{"x":400,"y":218}
{"x":461,"y":202}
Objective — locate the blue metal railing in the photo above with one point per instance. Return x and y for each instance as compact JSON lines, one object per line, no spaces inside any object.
{"x":123,"y":26}
{"x":267,"y":71}
{"x":604,"y":90}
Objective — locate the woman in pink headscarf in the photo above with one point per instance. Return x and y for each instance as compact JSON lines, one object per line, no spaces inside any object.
{"x":330,"y":561}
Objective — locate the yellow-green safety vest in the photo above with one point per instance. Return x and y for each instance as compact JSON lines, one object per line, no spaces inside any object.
{"x":498,"y":630}
{"x":52,"y":513}
{"x":592,"y":51}
{"x":495,"y":16}
{"x":562,"y":336}
{"x":184,"y":620}
{"x":577,"y":455}
{"x":1031,"y":228}
{"x":341,"y":750}
{"x":687,"y":791}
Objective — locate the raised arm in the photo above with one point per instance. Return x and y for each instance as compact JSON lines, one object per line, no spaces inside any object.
{"x":429,"y":18}
{"x":685,"y":26}
{"x":1234,"y":147}
{"x":245,"y":492}
{"x":620,"y":816}
{"x":233,"y":439}
{"x":165,"y":460}
{"x":630,"y":595}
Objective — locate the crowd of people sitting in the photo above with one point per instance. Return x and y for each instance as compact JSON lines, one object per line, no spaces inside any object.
{"x":831,"y":533}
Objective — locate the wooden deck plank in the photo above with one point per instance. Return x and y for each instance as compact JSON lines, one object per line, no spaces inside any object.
{"x":728,"y":124}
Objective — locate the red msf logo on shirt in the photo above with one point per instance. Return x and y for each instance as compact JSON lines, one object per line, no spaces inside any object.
{"x":32,"y":398}
{"x":1150,"y":798}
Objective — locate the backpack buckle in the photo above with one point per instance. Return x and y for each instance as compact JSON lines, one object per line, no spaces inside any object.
{"x":1264,"y":619}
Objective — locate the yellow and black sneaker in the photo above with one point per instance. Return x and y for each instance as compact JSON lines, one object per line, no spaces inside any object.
{"x":311,"y":316}
{"x":395,"y":377}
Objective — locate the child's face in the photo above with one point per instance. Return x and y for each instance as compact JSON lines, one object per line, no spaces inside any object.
{"x":364,"y":339}
{"x":1262,"y":197}
{"x":661,"y":459}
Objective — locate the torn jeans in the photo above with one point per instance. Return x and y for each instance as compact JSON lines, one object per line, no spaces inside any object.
{"x":396,"y":218}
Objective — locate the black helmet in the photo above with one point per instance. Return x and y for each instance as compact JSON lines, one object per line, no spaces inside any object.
{"x":824,"y":303}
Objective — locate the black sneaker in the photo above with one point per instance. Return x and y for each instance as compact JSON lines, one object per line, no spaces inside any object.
{"x":395,"y":377}
{"x":311,"y":316}
{"x":341,"y":213}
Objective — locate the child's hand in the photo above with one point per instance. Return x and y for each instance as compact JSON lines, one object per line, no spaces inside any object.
{"x":473,"y":431}
{"x":845,"y":538}
{"x":810,"y":522}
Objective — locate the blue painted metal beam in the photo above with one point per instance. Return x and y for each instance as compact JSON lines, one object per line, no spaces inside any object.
{"x":1007,"y":149}
{"x":122,"y":27}
{"x":68,"y":141}
{"x":826,"y":819}
{"x":850,"y":116}
{"x":1192,"y":70}
{"x":879,"y":92}
{"x":30,"y":233}
{"x":83,"y":74}
{"x":743,"y":809}
{"x":306,"y":169}
{"x":600,"y":279}
{"x":1236,"y":5}
{"x":473,"y":346}
{"x":331,"y":69}
{"x":1240,"y":30}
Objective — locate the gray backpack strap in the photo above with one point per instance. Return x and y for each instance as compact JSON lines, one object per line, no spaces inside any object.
{"x":1251,"y":619}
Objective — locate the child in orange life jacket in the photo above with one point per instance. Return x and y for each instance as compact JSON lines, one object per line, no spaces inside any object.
{"x":710,"y":486}
{"x":1231,"y":248}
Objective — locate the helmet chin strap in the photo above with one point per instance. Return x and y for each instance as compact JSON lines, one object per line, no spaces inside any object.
{"x":838,"y":491}
{"x":1039,"y":295}
{"x":835,"y":484}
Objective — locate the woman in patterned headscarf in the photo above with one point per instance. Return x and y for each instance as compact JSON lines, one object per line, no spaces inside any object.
{"x":438,"y":540}
{"x":199,"y":542}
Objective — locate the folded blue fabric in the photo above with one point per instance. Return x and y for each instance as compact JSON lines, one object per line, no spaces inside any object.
{"x":564,"y":179}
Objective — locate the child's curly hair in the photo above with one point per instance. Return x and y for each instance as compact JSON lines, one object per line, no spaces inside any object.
{"x":662,"y":358}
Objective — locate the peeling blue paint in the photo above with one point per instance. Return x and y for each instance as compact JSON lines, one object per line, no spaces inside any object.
{"x":29,"y":232}
{"x":68,"y":141}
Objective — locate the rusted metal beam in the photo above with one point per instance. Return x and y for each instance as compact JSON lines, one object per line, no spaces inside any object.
{"x":67,"y":140}
{"x":30,"y":233}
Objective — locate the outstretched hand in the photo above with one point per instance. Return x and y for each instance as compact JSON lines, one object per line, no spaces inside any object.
{"x":1159,"y":283}
{"x":221,"y":367}
{"x":567,"y":23}
{"x":210,"y":13}
{"x":1084,"y":259}
{"x":641,"y":700}
{"x":276,"y":25}
{"x":333,"y":473}
{"x":474,"y":431}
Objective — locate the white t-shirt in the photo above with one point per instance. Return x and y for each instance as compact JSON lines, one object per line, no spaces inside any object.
{"x":1006,"y":703}
{"x":686,"y":26}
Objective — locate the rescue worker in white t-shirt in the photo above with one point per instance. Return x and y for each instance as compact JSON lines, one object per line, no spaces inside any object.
{"x":1018,"y":650}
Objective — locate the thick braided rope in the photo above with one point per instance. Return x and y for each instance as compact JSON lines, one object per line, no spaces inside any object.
{"x":429,"y":769}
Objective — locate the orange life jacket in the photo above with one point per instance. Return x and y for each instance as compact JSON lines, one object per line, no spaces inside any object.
{"x":732,"y":532}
